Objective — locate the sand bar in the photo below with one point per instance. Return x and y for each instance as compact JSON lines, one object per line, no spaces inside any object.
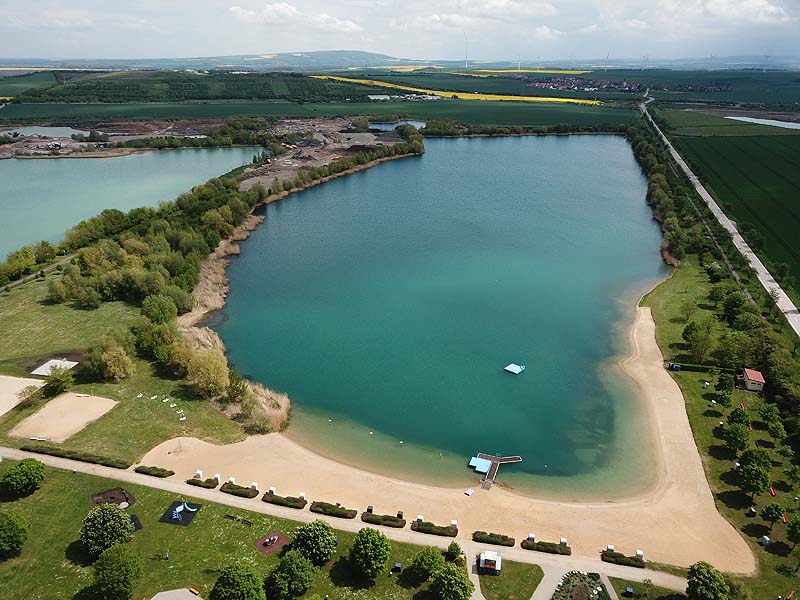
{"x":675,"y":522}
{"x":63,"y":417}
{"x":10,"y":388}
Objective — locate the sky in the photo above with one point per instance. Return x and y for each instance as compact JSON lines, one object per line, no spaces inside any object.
{"x":433,"y":29}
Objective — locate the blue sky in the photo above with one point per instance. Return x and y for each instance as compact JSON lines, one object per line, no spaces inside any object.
{"x":497,"y":29}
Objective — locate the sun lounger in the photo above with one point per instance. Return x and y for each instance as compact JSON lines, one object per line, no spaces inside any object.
{"x":139,"y":395}
{"x":182,"y":419}
{"x":153,"y":397}
{"x":469,"y":492}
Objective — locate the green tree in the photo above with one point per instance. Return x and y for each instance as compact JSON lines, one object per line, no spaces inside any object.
{"x":370,"y":552}
{"x":56,"y":291}
{"x":316,"y":541}
{"x":772,"y":513}
{"x":291,"y":577}
{"x":793,"y":475}
{"x":737,"y":438}
{"x":688,"y":308}
{"x":739,"y":415}
{"x":756,"y":456}
{"x":117,"y":572}
{"x":769,"y":413}
{"x":104,"y":526}
{"x":427,"y":561}
{"x":753,"y":480}
{"x":732,"y":305}
{"x":776,"y":431}
{"x":793,"y":530}
{"x":208,"y":372}
{"x":451,"y":582}
{"x":237,"y":387}
{"x":13,"y":533}
{"x":453,"y":551}
{"x":698,"y":338}
{"x":734,"y":349}
{"x":237,"y":582}
{"x":23,"y":478}
{"x":58,"y":381}
{"x":159,"y":309}
{"x":725,"y":399}
{"x":704,"y":582}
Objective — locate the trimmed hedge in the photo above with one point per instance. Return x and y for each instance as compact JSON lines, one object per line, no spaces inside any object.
{"x":618,"y":558}
{"x":115,"y":463}
{"x":549,"y":547}
{"x":209,"y":483}
{"x":326,"y":508}
{"x":154,"y":471}
{"x":498,"y":539}
{"x":385,"y":520}
{"x":426,"y":527}
{"x":238,"y":490}
{"x":290,"y":501}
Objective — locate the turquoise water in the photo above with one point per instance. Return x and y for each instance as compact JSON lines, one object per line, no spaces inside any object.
{"x":389,"y":302}
{"x":41,"y":198}
{"x":391,"y":126}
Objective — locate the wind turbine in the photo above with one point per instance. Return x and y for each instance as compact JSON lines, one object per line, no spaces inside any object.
{"x":466,"y":51}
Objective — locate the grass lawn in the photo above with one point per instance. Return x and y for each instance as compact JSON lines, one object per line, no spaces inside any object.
{"x":518,"y":581}
{"x":775,"y":565}
{"x":53,"y":566}
{"x":656,"y":593}
{"x":11,"y":86}
{"x":695,"y":123}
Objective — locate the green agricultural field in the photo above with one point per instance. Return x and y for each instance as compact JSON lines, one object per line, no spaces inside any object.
{"x":14,"y":85}
{"x":695,"y":123}
{"x":518,"y":581}
{"x":776,"y":565}
{"x":756,"y":179}
{"x":53,"y":566}
{"x":483,"y":113}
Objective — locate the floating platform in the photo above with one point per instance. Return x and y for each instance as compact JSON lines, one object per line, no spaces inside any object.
{"x":515,"y":368}
{"x":490,"y":464}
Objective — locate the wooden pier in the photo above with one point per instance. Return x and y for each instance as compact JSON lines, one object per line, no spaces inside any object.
{"x":496,"y":461}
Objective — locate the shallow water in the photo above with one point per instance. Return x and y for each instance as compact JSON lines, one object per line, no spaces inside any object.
{"x":42,"y":198}
{"x":773,"y":122}
{"x":391,"y":126}
{"x":390,"y":301}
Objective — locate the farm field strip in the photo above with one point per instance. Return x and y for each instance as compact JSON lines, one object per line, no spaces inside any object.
{"x":459,"y":95}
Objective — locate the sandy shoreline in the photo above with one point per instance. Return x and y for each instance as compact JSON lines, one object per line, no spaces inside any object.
{"x":674,"y":522}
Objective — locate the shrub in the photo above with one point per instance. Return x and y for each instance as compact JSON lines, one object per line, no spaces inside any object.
{"x":493,"y":538}
{"x":385,"y":520}
{"x":104,"y":526}
{"x":13,"y":533}
{"x":453,"y":551}
{"x":23,"y":478}
{"x":704,"y":582}
{"x":208,"y":371}
{"x":154,"y":471}
{"x":58,"y":381}
{"x":289,"y":501}
{"x":618,"y":558}
{"x":316,"y":541}
{"x":426,"y":527}
{"x":331,"y":510}
{"x":370,"y":552}
{"x":237,"y":582}
{"x":159,"y":309}
{"x":238,"y":490}
{"x":115,"y":463}
{"x":209,"y":483}
{"x":549,"y":547}
{"x":291,"y":577}
{"x":451,"y":582}
{"x":428,"y":561}
{"x":116,"y":572}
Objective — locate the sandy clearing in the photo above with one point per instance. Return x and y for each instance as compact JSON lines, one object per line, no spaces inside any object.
{"x":675,"y":522}
{"x":10,"y":387}
{"x":63,"y":417}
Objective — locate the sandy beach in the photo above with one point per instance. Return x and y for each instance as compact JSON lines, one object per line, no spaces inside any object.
{"x":674,"y":522}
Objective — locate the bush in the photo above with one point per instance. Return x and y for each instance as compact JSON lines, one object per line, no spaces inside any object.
{"x":370,"y":552}
{"x":104,"y":526}
{"x":316,"y":541}
{"x":426,"y":527}
{"x":453,"y":551}
{"x":209,"y":483}
{"x":331,"y":510}
{"x":385,"y":520}
{"x":159,"y":309}
{"x":549,"y":547}
{"x":289,"y":501}
{"x":208,"y":371}
{"x":58,"y":381}
{"x":427,"y":562}
{"x":451,"y":582}
{"x":618,"y":558}
{"x":238,"y":490}
{"x":493,"y":538}
{"x":291,"y":577}
{"x":23,"y":478}
{"x":237,"y":582}
{"x":115,"y":463}
{"x":13,"y":533}
{"x":154,"y":471}
{"x":116,"y":572}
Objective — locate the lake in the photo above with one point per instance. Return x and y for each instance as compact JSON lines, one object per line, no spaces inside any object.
{"x":41,"y":198}
{"x":387,"y":303}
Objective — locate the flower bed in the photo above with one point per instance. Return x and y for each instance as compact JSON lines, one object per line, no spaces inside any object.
{"x":432,"y":529}
{"x":326,"y":508}
{"x":238,"y":490}
{"x":289,"y":501}
{"x":549,"y":547}
{"x":498,"y":539}
{"x":385,"y":520}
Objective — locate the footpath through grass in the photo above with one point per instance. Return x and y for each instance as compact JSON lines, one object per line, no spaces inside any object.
{"x":518,"y":581}
{"x":53,"y":566}
{"x":777,"y":573}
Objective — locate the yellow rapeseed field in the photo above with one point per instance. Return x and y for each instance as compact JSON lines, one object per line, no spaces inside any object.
{"x":550,"y":71}
{"x":459,"y":95}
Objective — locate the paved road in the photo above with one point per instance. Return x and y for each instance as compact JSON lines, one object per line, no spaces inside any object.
{"x":785,"y":304}
{"x":553,"y":565}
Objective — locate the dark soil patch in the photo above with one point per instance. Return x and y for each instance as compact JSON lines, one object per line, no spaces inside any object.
{"x":113,"y":496}
{"x":272,"y":548}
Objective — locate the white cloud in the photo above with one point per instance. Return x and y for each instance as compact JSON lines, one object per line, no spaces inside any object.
{"x":505,"y":9}
{"x":752,"y":11}
{"x":593,"y":28}
{"x":442,"y":22}
{"x":329,"y":23}
{"x":546,"y":34}
{"x":635,"y":24}
{"x":270,"y":14}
